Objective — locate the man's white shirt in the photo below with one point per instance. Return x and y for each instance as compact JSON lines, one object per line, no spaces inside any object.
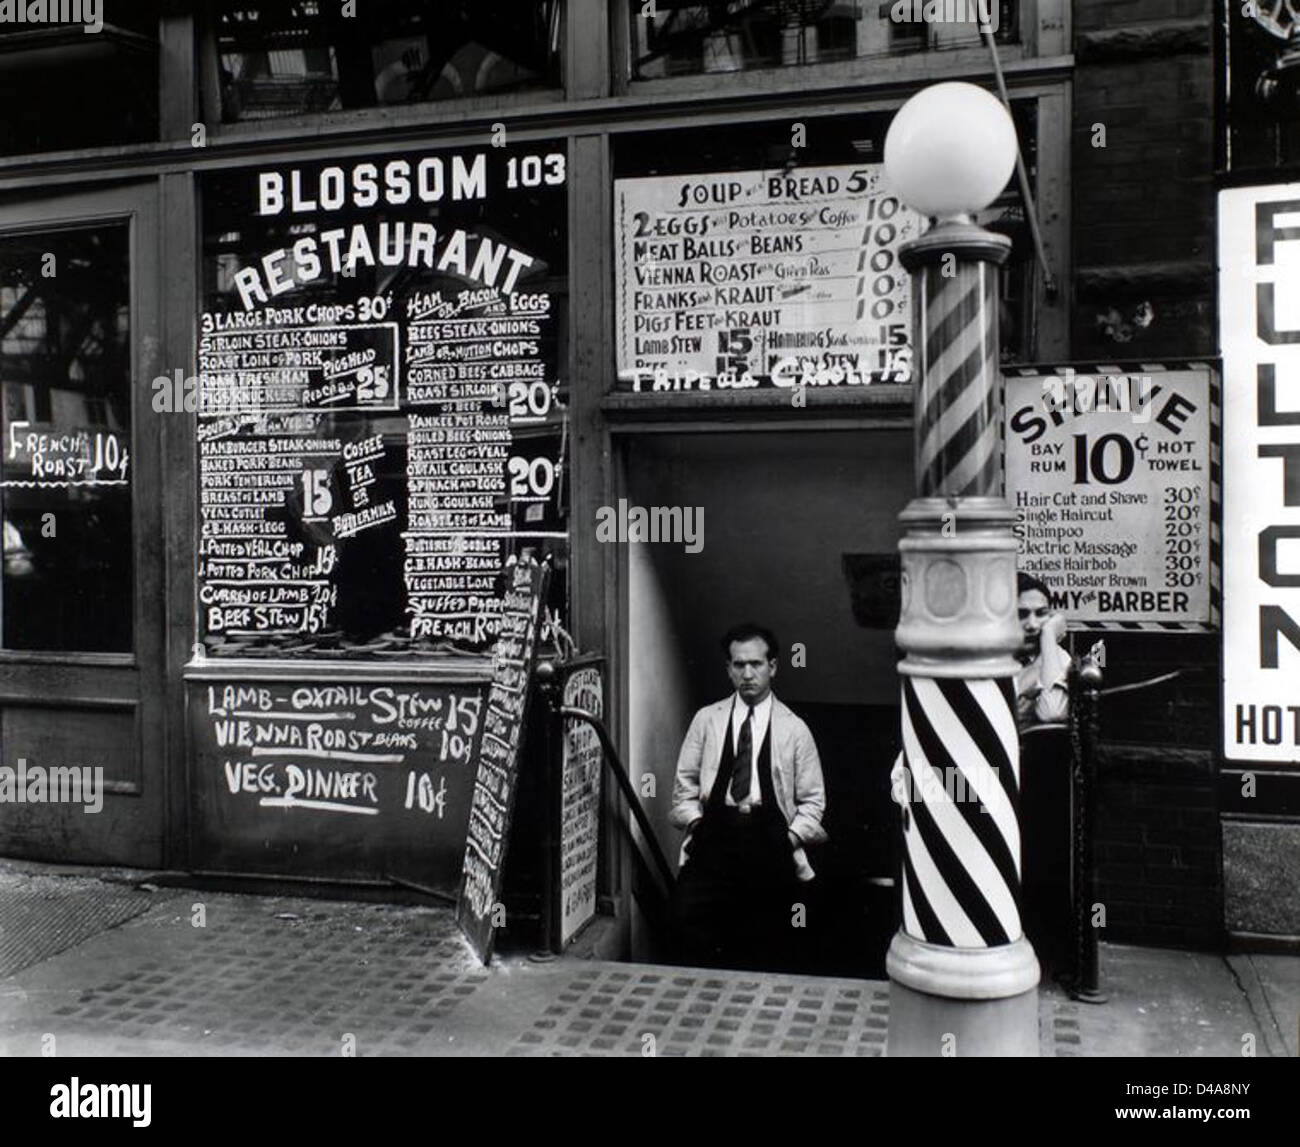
{"x":762,"y":718}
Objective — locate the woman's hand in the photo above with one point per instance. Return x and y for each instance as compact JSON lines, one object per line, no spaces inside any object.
{"x":1053,"y":631}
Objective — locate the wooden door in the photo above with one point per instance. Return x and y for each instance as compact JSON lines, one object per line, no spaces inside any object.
{"x":81,"y":602}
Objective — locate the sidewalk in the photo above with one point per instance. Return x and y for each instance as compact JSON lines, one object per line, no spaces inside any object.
{"x":104,"y":968}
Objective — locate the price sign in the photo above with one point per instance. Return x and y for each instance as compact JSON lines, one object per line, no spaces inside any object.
{"x":762,"y":278}
{"x":1111,"y":472}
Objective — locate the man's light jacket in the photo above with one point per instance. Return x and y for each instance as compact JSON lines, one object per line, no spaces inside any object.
{"x":796,"y":773}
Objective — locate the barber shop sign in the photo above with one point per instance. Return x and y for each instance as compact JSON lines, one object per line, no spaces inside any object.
{"x":1259,"y":317}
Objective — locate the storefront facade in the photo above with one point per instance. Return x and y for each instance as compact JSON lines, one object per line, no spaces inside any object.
{"x":417,"y":238}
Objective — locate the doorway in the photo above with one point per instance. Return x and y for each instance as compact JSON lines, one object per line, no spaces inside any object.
{"x":82,"y":672}
{"x":799,"y":534}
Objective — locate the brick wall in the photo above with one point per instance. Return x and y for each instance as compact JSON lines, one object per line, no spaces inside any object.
{"x":1143,"y":204}
{"x":1157,"y":846}
{"x":1143,"y":233}
{"x":1157,"y":842}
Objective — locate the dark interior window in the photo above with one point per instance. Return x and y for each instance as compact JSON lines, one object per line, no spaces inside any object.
{"x":66,"y":467}
{"x":673,"y":38}
{"x":296,"y":57}
{"x":91,"y":82}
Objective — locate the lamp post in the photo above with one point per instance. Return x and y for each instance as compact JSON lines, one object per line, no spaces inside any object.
{"x":963,"y":975}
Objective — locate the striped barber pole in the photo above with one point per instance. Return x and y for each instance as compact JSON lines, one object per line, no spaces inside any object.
{"x":958,"y":783}
{"x":959,"y":399}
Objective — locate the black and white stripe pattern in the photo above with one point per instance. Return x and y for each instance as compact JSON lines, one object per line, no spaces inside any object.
{"x":961,"y":857}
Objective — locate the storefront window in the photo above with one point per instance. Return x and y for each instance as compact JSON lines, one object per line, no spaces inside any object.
{"x":48,"y":69}
{"x":770,"y":253}
{"x":66,"y":466}
{"x":381,"y":417}
{"x":298,"y":57}
{"x":670,"y":38}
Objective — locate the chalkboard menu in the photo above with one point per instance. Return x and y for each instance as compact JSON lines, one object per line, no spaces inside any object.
{"x":494,"y":788}
{"x":346,"y":778}
{"x":580,"y":777}
{"x":380,"y":412}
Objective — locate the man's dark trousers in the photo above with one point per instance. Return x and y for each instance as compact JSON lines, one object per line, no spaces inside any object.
{"x":733,"y":903}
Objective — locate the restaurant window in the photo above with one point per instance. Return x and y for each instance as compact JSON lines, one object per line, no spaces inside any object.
{"x":303,"y":57}
{"x":672,"y":38}
{"x":66,"y":466}
{"x":49,"y":69}
{"x":382,"y":420}
{"x":739,"y":252}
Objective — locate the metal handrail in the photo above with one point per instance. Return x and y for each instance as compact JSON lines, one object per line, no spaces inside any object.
{"x":1146,"y":684}
{"x":615,"y":766}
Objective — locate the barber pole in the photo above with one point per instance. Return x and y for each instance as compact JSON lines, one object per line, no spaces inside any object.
{"x":963,"y":974}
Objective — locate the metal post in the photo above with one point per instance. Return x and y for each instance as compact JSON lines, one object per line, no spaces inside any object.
{"x":1087,"y":974}
{"x":963,"y":974}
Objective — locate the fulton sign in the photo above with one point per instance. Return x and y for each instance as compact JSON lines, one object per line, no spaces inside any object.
{"x":1259,"y":316}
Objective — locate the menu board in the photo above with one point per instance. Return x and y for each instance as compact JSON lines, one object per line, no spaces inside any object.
{"x":580,"y":777}
{"x":1111,"y":474}
{"x":503,"y":723}
{"x":380,"y":412}
{"x":343,"y":779}
{"x":762,"y":279}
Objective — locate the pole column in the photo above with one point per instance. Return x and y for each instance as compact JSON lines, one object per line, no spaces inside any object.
{"x":962,"y":972}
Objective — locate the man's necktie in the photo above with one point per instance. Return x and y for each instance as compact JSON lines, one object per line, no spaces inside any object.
{"x":742,"y":774}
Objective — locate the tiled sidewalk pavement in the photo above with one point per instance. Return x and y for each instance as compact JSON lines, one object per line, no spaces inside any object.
{"x":291,"y":976}
{"x":267,"y":976}
{"x":281,"y":976}
{"x":640,"y":1010}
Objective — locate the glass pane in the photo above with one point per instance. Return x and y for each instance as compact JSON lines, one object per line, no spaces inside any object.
{"x":381,"y":417}
{"x":66,"y":465}
{"x":294,"y":58}
{"x":672,"y":38}
{"x":88,"y":81}
{"x":849,"y":143}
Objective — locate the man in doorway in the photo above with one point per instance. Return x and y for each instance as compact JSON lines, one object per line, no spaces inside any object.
{"x":749,"y":793}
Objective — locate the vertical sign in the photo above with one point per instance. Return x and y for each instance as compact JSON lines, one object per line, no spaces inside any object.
{"x":580,"y":803}
{"x":1259,"y":316}
{"x":494,"y":786}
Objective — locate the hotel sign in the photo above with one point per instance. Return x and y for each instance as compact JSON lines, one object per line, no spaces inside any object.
{"x":1259,"y":316}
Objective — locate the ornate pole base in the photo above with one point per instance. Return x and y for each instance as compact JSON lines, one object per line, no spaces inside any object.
{"x":962,"y":1001}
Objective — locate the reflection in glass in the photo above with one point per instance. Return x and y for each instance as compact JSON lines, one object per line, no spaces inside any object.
{"x":299,"y":57}
{"x":683,"y":37}
{"x":66,"y":465}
